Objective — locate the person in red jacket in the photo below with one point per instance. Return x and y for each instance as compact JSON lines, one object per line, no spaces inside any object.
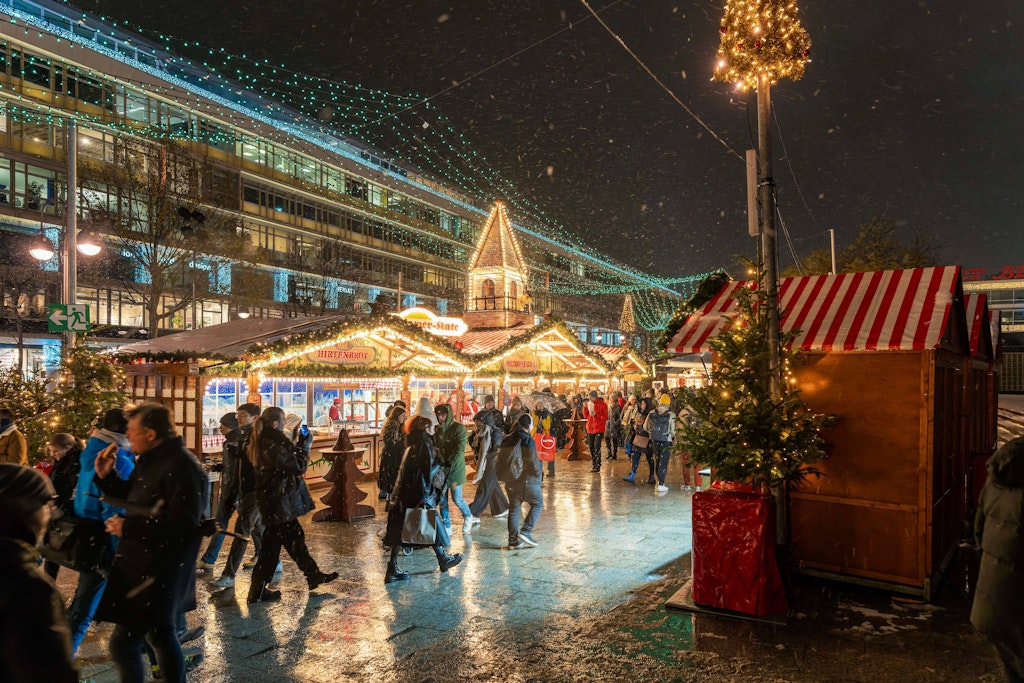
{"x":596,"y":413}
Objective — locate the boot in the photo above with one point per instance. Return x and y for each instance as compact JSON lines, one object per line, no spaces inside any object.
{"x":394,"y":573}
{"x":319,"y":578}
{"x":259,"y":592}
{"x":651,"y":479}
{"x":446,"y":561}
{"x":630,"y":478}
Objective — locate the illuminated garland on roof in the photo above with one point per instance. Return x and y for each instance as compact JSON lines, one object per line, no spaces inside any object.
{"x":365,"y":110}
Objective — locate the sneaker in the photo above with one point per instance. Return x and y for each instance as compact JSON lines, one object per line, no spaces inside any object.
{"x":190,"y":634}
{"x":279,"y":568}
{"x":651,"y":480}
{"x":224,"y":582}
{"x":501,"y":515}
{"x":192,"y":661}
{"x":526,"y":538}
{"x":249,"y":564}
{"x":517,"y":545}
{"x":202,"y":565}
{"x":470,"y":522}
{"x":662,"y":488}
{"x":595,"y":469}
{"x":630,"y":478}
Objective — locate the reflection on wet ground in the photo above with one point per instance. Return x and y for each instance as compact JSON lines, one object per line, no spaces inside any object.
{"x":600,"y":540}
{"x":588,"y":604}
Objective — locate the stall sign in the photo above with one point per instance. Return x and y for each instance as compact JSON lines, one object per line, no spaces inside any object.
{"x":518,"y":363}
{"x":427,"y":320}
{"x":345,"y":354}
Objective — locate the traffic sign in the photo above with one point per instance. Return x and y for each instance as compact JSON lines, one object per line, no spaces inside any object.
{"x":68,"y":317}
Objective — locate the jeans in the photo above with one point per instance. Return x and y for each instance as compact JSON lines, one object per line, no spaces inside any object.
{"x":291,"y":537}
{"x":662,"y":452}
{"x":456,"y":492}
{"x":225,"y":508}
{"x":247,"y":524}
{"x":594,"y":441}
{"x":83,"y":606}
{"x":635,"y":457}
{"x":519,"y":493}
{"x":126,"y":644}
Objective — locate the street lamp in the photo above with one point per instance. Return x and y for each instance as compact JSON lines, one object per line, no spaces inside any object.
{"x":89,"y":243}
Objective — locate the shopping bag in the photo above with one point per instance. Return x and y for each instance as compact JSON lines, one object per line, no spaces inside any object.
{"x":545,"y":446}
{"x":77,"y":543}
{"x":420,"y":527}
{"x":641,"y":441}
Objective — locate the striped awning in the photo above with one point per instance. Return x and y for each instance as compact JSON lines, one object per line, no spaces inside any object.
{"x":890,"y":310}
{"x":979,"y":324}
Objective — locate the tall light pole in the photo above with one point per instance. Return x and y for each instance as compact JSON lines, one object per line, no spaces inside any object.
{"x":191,"y":232}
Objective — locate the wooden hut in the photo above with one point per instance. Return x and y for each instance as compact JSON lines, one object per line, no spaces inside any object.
{"x":886,"y":352}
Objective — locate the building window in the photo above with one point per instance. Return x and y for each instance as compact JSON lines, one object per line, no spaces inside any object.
{"x":487,"y":294}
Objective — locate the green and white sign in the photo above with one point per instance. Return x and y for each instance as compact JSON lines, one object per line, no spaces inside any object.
{"x":68,"y":317}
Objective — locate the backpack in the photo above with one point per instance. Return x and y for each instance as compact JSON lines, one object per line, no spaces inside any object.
{"x":660,"y":426}
{"x":510,"y":462}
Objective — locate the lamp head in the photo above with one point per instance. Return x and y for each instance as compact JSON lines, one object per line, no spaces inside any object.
{"x":90,"y":242}
{"x":41,"y":249}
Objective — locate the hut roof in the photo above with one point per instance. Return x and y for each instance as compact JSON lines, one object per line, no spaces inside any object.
{"x":890,"y":310}
{"x":979,"y":325}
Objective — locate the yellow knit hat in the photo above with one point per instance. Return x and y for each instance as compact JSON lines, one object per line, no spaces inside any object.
{"x":665,"y":400}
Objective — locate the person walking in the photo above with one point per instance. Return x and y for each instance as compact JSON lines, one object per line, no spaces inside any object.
{"x":486,"y":440}
{"x":526,"y":489}
{"x":595,"y":412}
{"x":661,"y":425}
{"x":153,"y":575}
{"x":64,"y":450}
{"x":280,"y":461}
{"x":543,"y":423}
{"x":13,"y":446}
{"x":999,"y":534}
{"x":421,"y":481}
{"x":230,"y":456}
{"x":450,"y":441}
{"x":613,"y":428}
{"x":35,"y":644}
{"x":394,"y":447}
{"x":109,"y":433}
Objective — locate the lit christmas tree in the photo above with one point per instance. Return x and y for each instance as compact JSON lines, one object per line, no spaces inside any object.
{"x":627,"y":322}
{"x":761,"y":39}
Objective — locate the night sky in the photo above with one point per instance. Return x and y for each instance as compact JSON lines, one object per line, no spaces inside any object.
{"x":909,"y":111}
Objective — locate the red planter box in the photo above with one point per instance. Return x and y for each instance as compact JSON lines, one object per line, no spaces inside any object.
{"x":734,"y":553}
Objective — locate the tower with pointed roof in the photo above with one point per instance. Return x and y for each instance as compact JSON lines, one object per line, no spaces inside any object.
{"x":496,"y":285}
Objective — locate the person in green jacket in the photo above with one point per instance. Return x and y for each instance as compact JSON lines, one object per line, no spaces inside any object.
{"x":450,"y":440}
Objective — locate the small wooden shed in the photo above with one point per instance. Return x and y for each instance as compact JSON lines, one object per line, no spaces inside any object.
{"x":887,"y":352}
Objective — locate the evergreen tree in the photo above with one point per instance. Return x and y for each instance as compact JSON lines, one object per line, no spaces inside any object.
{"x":761,"y":38}
{"x":738,"y":430}
{"x":28,"y":400}
{"x":89,"y":384}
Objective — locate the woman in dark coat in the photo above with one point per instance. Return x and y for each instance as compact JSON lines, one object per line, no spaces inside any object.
{"x":282,"y":497}
{"x":421,"y":481}
{"x":65,"y":450}
{"x":999,"y":533}
{"x":394,"y":447}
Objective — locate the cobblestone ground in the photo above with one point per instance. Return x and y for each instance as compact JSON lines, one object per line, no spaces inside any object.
{"x":588,"y":604}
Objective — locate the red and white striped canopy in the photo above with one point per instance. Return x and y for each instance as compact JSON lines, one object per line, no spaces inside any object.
{"x":978,"y":318}
{"x":882,"y":310}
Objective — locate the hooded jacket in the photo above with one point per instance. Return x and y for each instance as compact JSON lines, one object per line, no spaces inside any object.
{"x":281,"y":492}
{"x":999,"y":533}
{"x":450,"y":440}
{"x":87,"y":503}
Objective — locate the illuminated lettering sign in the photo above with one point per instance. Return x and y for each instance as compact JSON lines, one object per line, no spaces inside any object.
{"x":343,"y":355}
{"x":443,"y":327}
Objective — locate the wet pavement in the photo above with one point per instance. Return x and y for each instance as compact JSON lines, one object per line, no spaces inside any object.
{"x":588,"y":604}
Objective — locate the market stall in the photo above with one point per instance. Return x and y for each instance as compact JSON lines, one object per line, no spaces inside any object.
{"x":885,"y":352}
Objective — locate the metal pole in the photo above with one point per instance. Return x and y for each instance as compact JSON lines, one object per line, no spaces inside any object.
{"x":769,"y":257}
{"x":832,"y":240}
{"x":398,"y":304}
{"x":195,"y":323}
{"x":70,"y":279}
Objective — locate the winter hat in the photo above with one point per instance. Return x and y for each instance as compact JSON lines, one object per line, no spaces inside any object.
{"x":665,"y":400}
{"x":593,"y":394}
{"x":229,"y":420}
{"x":23,"y":490}
{"x":424,"y":409}
{"x":114,"y":421}
{"x":400,"y":403}
{"x":526,"y":421}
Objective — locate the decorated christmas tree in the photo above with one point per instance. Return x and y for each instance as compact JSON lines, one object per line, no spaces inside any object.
{"x":88,"y":384}
{"x":761,"y":38}
{"x":740,"y":431}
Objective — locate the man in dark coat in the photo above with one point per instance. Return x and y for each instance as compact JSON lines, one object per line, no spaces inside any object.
{"x":35,"y":644}
{"x":526,"y":489}
{"x":228,"y":468}
{"x":999,"y":533}
{"x":153,"y":576}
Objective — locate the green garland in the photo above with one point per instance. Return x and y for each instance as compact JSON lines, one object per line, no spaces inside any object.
{"x":706,"y":291}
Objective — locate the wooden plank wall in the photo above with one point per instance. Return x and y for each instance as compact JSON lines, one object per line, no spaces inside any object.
{"x":175,"y":385}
